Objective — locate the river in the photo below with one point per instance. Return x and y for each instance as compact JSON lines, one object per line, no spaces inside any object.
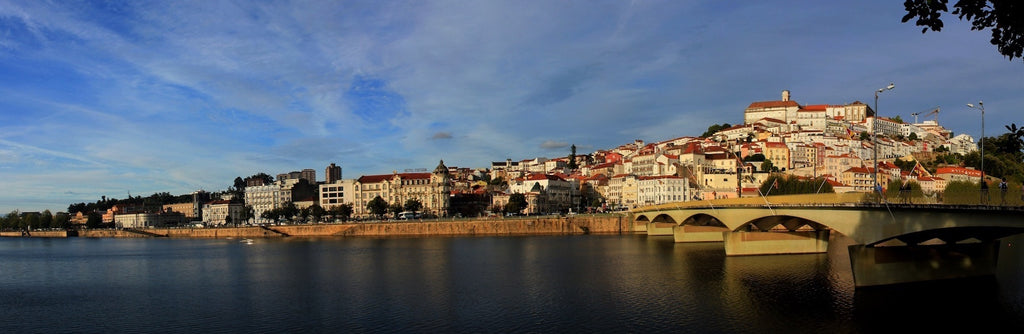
{"x":523,"y":284}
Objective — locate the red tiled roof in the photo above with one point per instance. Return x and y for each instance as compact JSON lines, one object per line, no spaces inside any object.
{"x":773,"y":104}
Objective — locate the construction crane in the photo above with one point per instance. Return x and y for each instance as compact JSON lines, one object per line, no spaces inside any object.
{"x":932,"y":111}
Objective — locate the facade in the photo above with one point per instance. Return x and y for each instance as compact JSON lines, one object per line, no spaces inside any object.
{"x":149,"y":220}
{"x":188,"y":209}
{"x":337,"y":193}
{"x":557,"y":193}
{"x":262,"y":199}
{"x":784,"y":110}
{"x":778,"y":153}
{"x":332,"y":173}
{"x":433,"y":190}
{"x":954,"y":174}
{"x":654,"y":190}
{"x":217,"y":213}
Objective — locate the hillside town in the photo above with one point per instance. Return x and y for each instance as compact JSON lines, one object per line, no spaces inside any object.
{"x":830,"y":142}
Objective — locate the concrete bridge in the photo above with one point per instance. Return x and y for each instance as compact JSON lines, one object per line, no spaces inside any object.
{"x":895,"y":243}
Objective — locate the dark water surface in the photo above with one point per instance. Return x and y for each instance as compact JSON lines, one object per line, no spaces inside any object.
{"x":532,"y":284}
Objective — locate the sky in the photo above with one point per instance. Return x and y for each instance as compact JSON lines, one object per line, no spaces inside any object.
{"x":110,"y":98}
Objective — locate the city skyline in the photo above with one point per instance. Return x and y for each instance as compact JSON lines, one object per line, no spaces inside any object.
{"x":106,"y":99}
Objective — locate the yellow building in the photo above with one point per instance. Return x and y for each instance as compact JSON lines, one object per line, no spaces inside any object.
{"x":433,"y":190}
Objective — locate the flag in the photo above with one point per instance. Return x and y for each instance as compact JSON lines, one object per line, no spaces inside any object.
{"x":776,"y":184}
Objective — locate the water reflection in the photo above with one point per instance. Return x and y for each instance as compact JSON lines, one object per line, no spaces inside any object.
{"x":611,"y":283}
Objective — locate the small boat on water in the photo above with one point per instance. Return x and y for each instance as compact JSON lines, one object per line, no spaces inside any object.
{"x":246,"y":241}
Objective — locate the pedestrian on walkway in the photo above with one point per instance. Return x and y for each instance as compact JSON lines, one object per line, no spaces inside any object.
{"x":1002,"y":191}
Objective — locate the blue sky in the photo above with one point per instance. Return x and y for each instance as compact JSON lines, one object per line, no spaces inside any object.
{"x":110,"y":97}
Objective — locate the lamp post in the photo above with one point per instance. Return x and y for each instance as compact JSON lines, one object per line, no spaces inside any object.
{"x":981,"y":106}
{"x":874,"y":132}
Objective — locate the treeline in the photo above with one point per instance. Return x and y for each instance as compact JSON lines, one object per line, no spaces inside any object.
{"x":789,"y":185}
{"x":16,"y":220}
{"x":152,"y":203}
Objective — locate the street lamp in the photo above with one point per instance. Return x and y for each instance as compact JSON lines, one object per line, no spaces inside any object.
{"x":874,"y":132}
{"x":981,"y":106}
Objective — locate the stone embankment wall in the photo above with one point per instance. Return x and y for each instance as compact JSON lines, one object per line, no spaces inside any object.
{"x":495,"y":226}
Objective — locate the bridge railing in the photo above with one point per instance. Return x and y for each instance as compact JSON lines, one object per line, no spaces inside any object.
{"x":1012,"y":197}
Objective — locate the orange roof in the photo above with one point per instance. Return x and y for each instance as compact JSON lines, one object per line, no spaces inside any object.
{"x":773,"y":104}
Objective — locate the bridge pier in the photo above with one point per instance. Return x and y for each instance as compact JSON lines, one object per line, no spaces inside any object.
{"x":905,"y":264}
{"x":660,"y":228}
{"x":768,"y":243}
{"x":691,"y":233}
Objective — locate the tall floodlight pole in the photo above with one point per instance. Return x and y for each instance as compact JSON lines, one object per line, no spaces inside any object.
{"x":981,"y":106}
{"x":874,"y":132}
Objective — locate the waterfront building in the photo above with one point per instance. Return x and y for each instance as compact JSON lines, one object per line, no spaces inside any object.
{"x":859,"y":178}
{"x":217,"y":213}
{"x":149,"y":220}
{"x":558,"y":193}
{"x":187,"y":208}
{"x":654,"y":190}
{"x":337,"y":193}
{"x":430,"y":189}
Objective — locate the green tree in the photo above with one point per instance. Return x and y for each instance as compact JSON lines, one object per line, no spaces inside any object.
{"x":913,"y":136}
{"x":715,"y":128}
{"x":12,"y":220}
{"x":864,"y":136}
{"x":413,"y":205}
{"x":344,"y":211}
{"x":46,"y":219}
{"x":754,"y":157}
{"x":395,"y":209}
{"x":779,"y":184}
{"x":289,"y":211}
{"x":378,"y":207}
{"x":1004,"y":17}
{"x":516,"y":203}
{"x":273,"y":215}
{"x":62,"y":220}
{"x":95,"y":220}
{"x":317,"y":212}
{"x":572,"y":157}
{"x":767,"y":165}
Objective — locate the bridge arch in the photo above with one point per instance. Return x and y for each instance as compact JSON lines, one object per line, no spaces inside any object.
{"x":664,"y":218}
{"x":781,"y":222}
{"x":702,"y":219}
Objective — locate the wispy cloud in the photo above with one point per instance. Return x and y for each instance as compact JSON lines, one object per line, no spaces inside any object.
{"x":174,"y":96}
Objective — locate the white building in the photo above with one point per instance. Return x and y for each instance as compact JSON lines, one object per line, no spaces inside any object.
{"x":654,"y":190}
{"x":337,"y":193}
{"x":216,"y":213}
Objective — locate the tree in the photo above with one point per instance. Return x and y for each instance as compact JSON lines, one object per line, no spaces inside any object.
{"x":46,"y":220}
{"x":572,"y":157}
{"x":289,"y":211}
{"x":395,"y":209}
{"x":715,"y":128}
{"x":62,"y":220}
{"x":864,"y":136}
{"x":343,"y":211}
{"x":767,"y":166}
{"x":378,"y":207}
{"x":317,"y":212}
{"x":413,"y":205}
{"x":516,"y":203}
{"x":1004,"y":17}
{"x":94,"y":220}
{"x":913,"y":136}
{"x":789,"y":184}
{"x":754,"y":157}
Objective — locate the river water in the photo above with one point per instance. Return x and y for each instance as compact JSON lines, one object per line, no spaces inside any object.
{"x":524,"y":284}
